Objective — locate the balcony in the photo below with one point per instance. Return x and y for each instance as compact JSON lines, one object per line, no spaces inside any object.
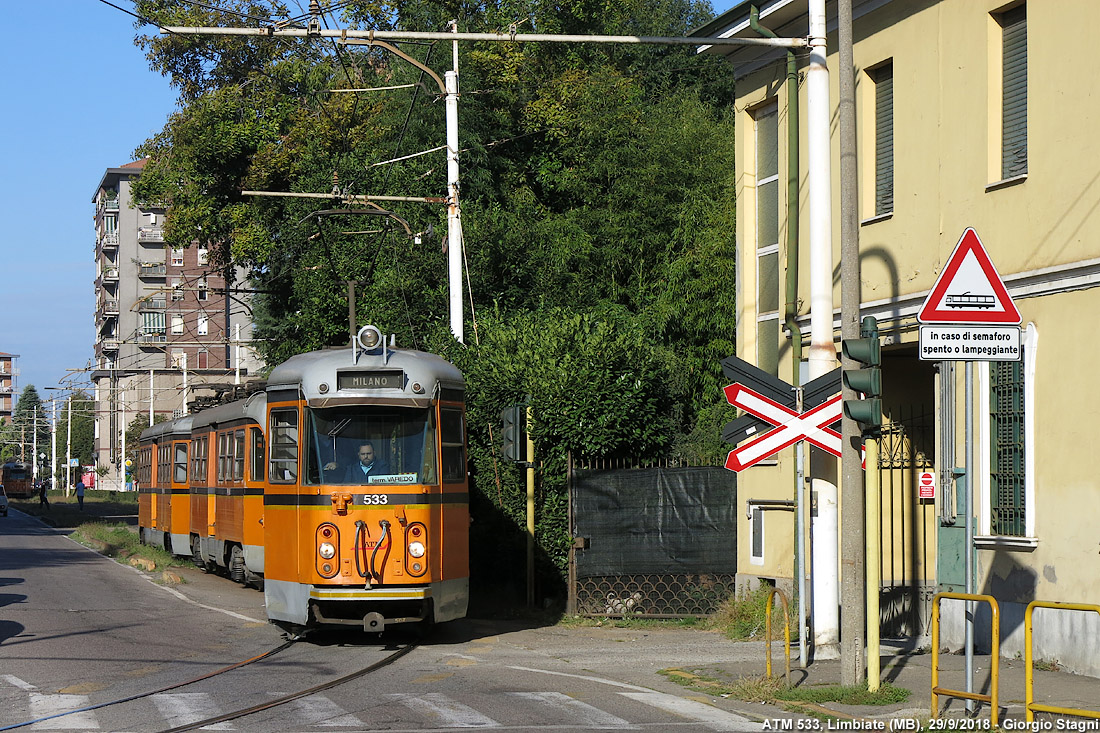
{"x":151,"y":336}
{"x":153,"y":304}
{"x":152,"y":269}
{"x":150,"y":234}
{"x":110,"y":274}
{"x":108,"y":240}
{"x":109,"y":307}
{"x":110,"y":344}
{"x":109,"y":204}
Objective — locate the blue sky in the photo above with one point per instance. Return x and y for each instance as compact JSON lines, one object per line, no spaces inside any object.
{"x":80,"y":98}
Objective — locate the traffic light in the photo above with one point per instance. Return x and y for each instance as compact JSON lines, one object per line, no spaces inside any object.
{"x":515,"y":432}
{"x":868,"y":379}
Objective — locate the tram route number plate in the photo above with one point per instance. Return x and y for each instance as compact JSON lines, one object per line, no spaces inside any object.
{"x":389,"y":379}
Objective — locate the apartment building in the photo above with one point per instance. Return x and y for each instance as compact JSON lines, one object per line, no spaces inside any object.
{"x":8,"y":398}
{"x":165,"y":321}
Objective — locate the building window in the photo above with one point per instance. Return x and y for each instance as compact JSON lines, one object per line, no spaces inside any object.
{"x":1007,"y":453}
{"x":767,"y":238}
{"x":1014,"y":92}
{"x":204,"y":328}
{"x":177,"y":257}
{"x":110,"y":224}
{"x":179,"y":359}
{"x":203,"y":292}
{"x":203,"y":255}
{"x":883,"y":78}
{"x":177,"y":325}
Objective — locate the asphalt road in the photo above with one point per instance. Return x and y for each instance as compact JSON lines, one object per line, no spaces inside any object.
{"x":78,"y":629}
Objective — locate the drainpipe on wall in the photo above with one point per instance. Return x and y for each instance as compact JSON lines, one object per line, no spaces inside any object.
{"x":790,"y":313}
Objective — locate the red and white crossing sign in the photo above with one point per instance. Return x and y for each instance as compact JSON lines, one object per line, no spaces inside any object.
{"x":791,"y":426}
{"x":969,"y":289}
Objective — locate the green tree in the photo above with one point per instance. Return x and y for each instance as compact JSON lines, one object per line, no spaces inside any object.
{"x":597,"y":203}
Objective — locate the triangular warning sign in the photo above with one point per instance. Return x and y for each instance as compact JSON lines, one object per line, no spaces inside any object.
{"x":969,"y":290}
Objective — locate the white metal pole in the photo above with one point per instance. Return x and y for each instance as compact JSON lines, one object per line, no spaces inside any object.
{"x":183,"y":364}
{"x":150,"y":396}
{"x":69,"y":446}
{"x":968,"y":507}
{"x":454,"y":222}
{"x":122,"y":442}
{"x":236,"y":358}
{"x":53,"y":446}
{"x":34,"y":444}
{"x":822,"y":352}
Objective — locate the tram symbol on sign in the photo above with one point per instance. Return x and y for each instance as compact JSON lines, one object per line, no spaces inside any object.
{"x":966,"y":300}
{"x":790,"y":426}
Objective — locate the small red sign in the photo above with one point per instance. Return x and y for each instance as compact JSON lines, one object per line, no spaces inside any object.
{"x":926,"y":485}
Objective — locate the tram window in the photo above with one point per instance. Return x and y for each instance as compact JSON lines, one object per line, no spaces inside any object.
{"x":179,"y":474}
{"x":451,"y":434}
{"x":238,"y":455}
{"x":334,"y":436}
{"x":284,"y":446}
{"x":257,"y":455}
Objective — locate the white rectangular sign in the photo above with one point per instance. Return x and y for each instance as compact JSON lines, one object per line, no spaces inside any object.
{"x":970,"y":343}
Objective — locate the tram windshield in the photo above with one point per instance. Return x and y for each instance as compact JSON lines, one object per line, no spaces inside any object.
{"x":370,"y":445}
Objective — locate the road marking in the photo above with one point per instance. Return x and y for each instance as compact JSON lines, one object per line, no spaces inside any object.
{"x":43,"y":706}
{"x":586,"y":715}
{"x":444,"y":711}
{"x":321,"y":711}
{"x":588,"y":678}
{"x":16,"y":682}
{"x":710,"y":716}
{"x":182,"y":708}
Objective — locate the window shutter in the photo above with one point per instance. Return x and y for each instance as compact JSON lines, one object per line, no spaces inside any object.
{"x":1014,"y":94}
{"x":884,"y":139}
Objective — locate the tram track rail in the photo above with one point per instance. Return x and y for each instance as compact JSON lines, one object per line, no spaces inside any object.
{"x":175,"y":686}
{"x":292,"y":696}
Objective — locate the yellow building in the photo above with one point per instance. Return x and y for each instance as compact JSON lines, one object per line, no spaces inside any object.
{"x":970,"y":113}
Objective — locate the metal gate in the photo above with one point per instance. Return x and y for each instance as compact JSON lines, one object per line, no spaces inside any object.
{"x":909,"y":524}
{"x":651,"y":541}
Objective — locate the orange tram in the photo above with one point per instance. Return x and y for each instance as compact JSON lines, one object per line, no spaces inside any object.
{"x":341,"y":490}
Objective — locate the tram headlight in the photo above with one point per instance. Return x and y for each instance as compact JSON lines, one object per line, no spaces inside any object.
{"x":326,"y":550}
{"x":416,"y":549}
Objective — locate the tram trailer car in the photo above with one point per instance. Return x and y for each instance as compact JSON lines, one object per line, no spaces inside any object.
{"x":18,"y":480}
{"x":341,"y":544}
{"x":227,"y":489}
{"x":164,"y":511}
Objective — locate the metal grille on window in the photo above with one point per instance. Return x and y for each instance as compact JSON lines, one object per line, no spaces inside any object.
{"x":1006,"y":451}
{"x":1014,"y":93}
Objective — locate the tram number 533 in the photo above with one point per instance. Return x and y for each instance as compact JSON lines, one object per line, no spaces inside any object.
{"x":375,"y":499}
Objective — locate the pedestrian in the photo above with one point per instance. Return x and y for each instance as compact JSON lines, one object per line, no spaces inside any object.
{"x":80,"y":494}
{"x":43,"y":500}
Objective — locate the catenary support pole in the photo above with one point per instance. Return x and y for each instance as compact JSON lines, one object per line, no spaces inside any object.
{"x":454,"y":222}
{"x":53,"y":445}
{"x":852,"y":523}
{"x":69,"y":445}
{"x":822,"y":352}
